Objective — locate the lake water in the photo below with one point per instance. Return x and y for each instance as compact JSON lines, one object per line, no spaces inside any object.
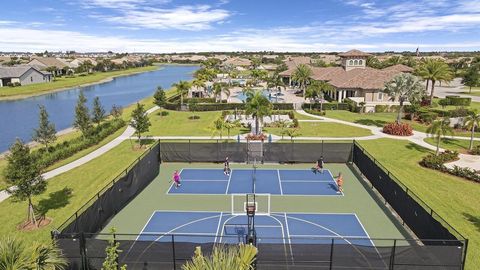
{"x":18,"y":118}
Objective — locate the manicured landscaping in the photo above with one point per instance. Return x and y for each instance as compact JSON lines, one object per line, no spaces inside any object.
{"x":460,"y":146}
{"x":323,"y":129}
{"x":453,"y":198}
{"x":67,"y":192}
{"x":65,"y":82}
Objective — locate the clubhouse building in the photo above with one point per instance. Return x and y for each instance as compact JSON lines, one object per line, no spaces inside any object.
{"x":354,"y":80}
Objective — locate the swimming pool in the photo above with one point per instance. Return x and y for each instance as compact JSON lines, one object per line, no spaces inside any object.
{"x":273,"y":96}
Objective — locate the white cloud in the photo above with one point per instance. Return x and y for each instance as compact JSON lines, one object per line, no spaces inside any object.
{"x":33,"y":40}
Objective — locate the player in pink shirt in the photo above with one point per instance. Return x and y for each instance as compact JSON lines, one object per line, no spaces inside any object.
{"x":176,"y":179}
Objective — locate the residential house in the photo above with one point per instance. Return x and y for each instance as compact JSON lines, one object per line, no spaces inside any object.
{"x":23,"y":75}
{"x":354,"y":80}
{"x":294,"y":61}
{"x":237,"y":62}
{"x":79,"y":61}
{"x":61,"y":66}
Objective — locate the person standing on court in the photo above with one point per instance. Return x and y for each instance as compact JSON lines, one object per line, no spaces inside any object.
{"x":176,"y":179}
{"x":340,"y":183}
{"x":226,"y":167}
{"x":319,"y":165}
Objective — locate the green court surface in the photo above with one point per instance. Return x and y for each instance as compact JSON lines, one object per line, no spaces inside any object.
{"x":358,"y":198}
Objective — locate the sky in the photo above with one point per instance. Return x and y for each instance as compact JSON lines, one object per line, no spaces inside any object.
{"x":166,"y":26}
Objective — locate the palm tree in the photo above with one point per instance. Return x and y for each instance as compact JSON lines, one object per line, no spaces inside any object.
{"x":282,"y":124}
{"x":258,"y":106}
{"x":317,"y":89}
{"x":199,"y":84}
{"x":47,"y":257}
{"x":439,"y":129}
{"x":302,"y":75}
{"x":257,"y":75}
{"x":292,"y":133}
{"x":404,"y":87}
{"x":13,"y":255}
{"x":275,"y":81}
{"x":471,"y":122}
{"x":182,"y":89}
{"x":434,"y":70}
{"x":218,"y":89}
{"x":239,"y":257}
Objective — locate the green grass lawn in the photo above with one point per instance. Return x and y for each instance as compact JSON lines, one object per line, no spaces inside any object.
{"x":473,"y":93}
{"x":67,"y":192}
{"x":455,"y":199}
{"x":380,"y":119}
{"x":177,"y":124}
{"x":460,"y":146}
{"x":62,"y":82}
{"x":326,"y":129}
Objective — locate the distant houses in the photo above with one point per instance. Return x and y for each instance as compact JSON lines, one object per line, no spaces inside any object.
{"x":22,"y":75}
{"x":57,"y":66}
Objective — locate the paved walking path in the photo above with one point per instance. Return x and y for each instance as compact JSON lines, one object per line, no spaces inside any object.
{"x":417,"y":138}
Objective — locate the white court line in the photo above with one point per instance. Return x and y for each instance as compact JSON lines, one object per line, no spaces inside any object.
{"x":288,"y":238}
{"x":200,"y":180}
{"x":229,"y":179}
{"x":329,"y":236}
{"x":178,"y":234}
{"x":307,"y":181}
{"x":173,"y":182}
{"x":218,"y":227}
{"x":365,"y":231}
{"x":335,"y":182}
{"x":144,"y":226}
{"x":280,"y":182}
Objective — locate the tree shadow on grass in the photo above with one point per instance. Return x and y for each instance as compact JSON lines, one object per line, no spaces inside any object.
{"x":453,"y":143}
{"x":473,"y":219}
{"x":55,"y":200}
{"x":370,"y":122}
{"x":416,"y":147}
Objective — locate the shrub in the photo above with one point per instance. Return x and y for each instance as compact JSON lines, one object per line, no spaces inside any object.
{"x":427,"y":117}
{"x":9,"y":84}
{"x":164,"y":113}
{"x":436,"y":162}
{"x":394,"y":108}
{"x":475,"y":150}
{"x":381,"y":108}
{"x":194,"y":117}
{"x":15,"y":84}
{"x":69,"y":148}
{"x":460,"y":112}
{"x":402,"y":129}
{"x":458,"y":101}
{"x":327,"y":106}
{"x":291,"y":115}
{"x":316,"y":112}
{"x":444,"y":102}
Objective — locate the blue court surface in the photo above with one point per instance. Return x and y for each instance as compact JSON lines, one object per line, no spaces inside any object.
{"x":280,"y":182}
{"x":275,"y":228}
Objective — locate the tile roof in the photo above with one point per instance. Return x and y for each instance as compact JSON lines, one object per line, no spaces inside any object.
{"x":16,"y":72}
{"x":353,"y":53}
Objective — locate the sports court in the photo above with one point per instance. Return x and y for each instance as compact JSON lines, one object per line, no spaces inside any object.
{"x":274,"y":228}
{"x":272,"y":181}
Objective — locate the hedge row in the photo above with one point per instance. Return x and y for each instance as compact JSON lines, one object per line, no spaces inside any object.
{"x":457,"y":101}
{"x":68,"y":148}
{"x":328,"y":106}
{"x":437,"y":163}
{"x":224,"y":106}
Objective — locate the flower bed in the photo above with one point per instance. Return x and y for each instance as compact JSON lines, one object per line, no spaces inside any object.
{"x":256,"y":137}
{"x":398,"y":129}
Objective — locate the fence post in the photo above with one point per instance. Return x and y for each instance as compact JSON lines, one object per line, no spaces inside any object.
{"x":331,"y":253}
{"x":189,"y":152}
{"x":83,"y":252}
{"x":464,"y":259}
{"x":173,"y":253}
{"x":392,"y":256}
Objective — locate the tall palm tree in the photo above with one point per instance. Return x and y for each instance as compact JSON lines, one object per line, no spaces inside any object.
{"x":199,"y":84}
{"x":275,"y":81}
{"x":434,"y":70}
{"x":239,"y":257}
{"x":219,"y":88}
{"x":258,"y":106}
{"x":404,"y":87}
{"x":317,"y":89}
{"x":182,"y":89}
{"x":226,"y":91}
{"x":471,"y":122}
{"x":439,"y":129}
{"x":302,"y":75}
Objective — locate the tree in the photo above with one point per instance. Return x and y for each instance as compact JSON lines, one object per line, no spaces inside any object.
{"x":192,"y":106}
{"x":217,"y":127}
{"x":112,"y":251}
{"x":218,"y":89}
{"x":302,"y":75}
{"x":439,"y":129}
{"x":159,"y":98}
{"x":316,"y":90}
{"x":231,"y":125}
{"x":47,"y":257}
{"x":292,"y":133}
{"x":275,"y":81}
{"x":182,"y":89}
{"x":404,"y":87}
{"x":98,"y":111}
{"x":434,"y":70}
{"x":140,"y":121}
{"x":258,"y":75}
{"x":45,"y":134}
{"x":199,"y":84}
{"x":23,"y":172}
{"x":13,"y":255}
{"x":471,"y":78}
{"x":116,"y":111}
{"x":238,"y":257}
{"x":471,"y":122}
{"x":82,"y":117}
{"x":258,"y":106}
{"x":283,"y":125}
